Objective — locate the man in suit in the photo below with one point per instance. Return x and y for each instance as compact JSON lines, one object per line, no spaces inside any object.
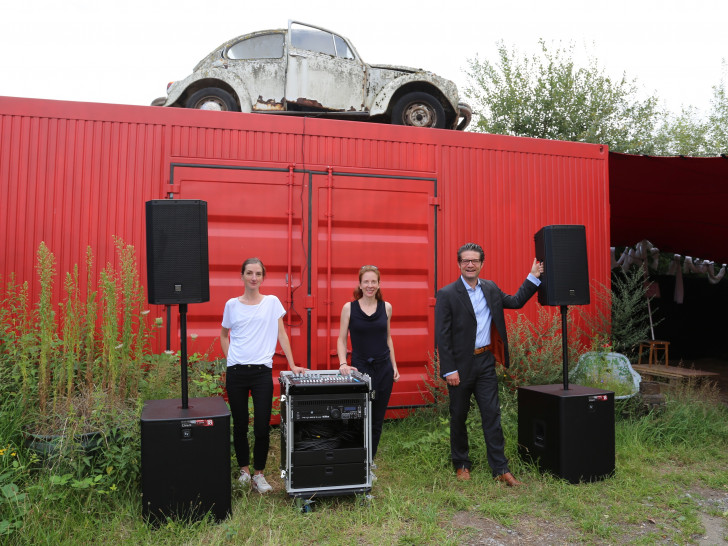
{"x":470,"y":329}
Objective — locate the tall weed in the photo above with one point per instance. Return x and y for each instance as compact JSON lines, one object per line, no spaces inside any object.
{"x":536,"y":350}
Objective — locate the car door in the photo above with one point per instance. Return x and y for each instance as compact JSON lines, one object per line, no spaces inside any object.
{"x":324,"y":72}
{"x":258,"y":60}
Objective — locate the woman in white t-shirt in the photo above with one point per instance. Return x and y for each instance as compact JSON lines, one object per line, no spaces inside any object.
{"x":252,"y":324}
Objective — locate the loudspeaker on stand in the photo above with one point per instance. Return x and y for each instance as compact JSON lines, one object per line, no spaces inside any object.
{"x":565,"y":280}
{"x":177,"y":254}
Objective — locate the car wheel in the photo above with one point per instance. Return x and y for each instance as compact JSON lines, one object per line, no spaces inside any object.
{"x":212,"y":98}
{"x":418,"y":110}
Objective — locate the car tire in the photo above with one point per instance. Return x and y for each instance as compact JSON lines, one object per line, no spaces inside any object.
{"x":212,"y":98}
{"x":418,"y":109}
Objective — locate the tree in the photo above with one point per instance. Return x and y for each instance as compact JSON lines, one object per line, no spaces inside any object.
{"x":684,"y":134}
{"x":718,"y":117}
{"x":691,"y":134}
{"x":548,"y":96}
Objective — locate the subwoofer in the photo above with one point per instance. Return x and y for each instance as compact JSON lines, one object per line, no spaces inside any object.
{"x":569,"y":433}
{"x":565,"y":279}
{"x":185,"y":459}
{"x":177,"y":257}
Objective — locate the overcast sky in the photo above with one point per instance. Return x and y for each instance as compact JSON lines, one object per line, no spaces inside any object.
{"x":127,"y":51}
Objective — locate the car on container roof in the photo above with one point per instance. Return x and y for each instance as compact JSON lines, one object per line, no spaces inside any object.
{"x":308,"y":70}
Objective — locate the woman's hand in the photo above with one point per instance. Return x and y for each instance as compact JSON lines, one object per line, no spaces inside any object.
{"x":298,"y":370}
{"x":396,"y":373}
{"x":345,"y":369}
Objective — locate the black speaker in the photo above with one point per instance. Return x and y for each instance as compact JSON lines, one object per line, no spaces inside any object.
{"x":177,"y":259}
{"x":568,"y":433}
{"x":185,"y":459}
{"x":565,"y":280}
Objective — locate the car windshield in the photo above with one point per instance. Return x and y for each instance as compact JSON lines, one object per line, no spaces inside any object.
{"x":320,"y":41}
{"x":267,"y":46}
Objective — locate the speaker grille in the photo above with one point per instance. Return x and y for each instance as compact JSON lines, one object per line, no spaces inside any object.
{"x":565,"y":280}
{"x":177,"y":256}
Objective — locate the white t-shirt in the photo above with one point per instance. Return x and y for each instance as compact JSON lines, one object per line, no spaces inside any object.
{"x":253,"y":330}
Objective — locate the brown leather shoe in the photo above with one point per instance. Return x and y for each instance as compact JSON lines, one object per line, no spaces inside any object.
{"x":509,"y":480}
{"x":463,"y":474}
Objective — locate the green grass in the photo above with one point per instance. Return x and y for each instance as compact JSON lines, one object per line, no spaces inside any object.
{"x":661,"y":460}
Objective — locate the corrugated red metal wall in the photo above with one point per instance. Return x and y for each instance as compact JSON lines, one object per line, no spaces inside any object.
{"x":315,"y":199}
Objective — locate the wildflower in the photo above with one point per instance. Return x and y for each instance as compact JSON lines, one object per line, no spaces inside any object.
{"x":2,"y":452}
{"x":168,"y":352}
{"x":146,"y":312}
{"x":120,"y":345}
{"x":193,"y":336}
{"x":158,"y":321}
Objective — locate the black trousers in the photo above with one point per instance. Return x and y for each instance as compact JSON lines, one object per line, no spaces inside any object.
{"x":477,"y":378}
{"x":382,"y":376}
{"x":255,"y":381}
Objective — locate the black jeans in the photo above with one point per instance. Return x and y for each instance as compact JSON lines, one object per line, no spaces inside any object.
{"x":479,"y":379}
{"x":382,"y":376}
{"x":255,"y":381}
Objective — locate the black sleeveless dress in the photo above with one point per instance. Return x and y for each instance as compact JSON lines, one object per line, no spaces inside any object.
{"x":370,"y":355}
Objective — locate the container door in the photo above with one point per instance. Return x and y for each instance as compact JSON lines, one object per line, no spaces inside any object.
{"x":389,"y":223}
{"x":248,"y":215}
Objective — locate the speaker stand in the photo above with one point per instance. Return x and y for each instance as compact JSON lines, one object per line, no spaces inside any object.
{"x":564,"y":346}
{"x":183,"y":352}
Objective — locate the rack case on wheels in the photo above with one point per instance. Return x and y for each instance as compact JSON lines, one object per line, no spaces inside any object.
{"x":325,"y":433}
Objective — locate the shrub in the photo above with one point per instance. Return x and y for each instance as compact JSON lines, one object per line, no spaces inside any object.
{"x":628,"y":322}
{"x":536,"y":350}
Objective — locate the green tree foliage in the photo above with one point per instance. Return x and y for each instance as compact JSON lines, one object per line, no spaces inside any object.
{"x":691,"y":134}
{"x":718,"y":117}
{"x":683,"y":134}
{"x":549,"y":96}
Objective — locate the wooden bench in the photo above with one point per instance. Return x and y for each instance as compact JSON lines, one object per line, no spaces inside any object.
{"x":672,"y":375}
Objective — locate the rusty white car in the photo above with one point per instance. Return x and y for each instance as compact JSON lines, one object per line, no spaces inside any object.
{"x":307,"y":70}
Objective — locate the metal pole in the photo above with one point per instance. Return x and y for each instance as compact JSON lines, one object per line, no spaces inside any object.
{"x":565,"y":346}
{"x":183,"y":351}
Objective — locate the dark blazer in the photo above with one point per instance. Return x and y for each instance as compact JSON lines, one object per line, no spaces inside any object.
{"x":456,"y":325}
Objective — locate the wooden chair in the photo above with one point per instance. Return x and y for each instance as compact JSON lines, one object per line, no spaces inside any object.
{"x":654,"y":346}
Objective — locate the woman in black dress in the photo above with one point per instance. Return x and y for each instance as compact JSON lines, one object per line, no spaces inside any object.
{"x":367,"y":319}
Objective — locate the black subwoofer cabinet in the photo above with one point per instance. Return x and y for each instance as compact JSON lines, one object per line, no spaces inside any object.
{"x":569,"y":433}
{"x":185,"y":459}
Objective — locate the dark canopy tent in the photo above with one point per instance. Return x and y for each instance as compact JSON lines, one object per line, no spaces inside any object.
{"x":680,"y":205}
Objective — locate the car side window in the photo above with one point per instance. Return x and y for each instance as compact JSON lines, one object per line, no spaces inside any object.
{"x":267,"y":46}
{"x":342,"y":48}
{"x":320,"y":41}
{"x":313,"y":40}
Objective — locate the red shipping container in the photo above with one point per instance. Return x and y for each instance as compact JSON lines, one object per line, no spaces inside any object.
{"x":314,"y":199}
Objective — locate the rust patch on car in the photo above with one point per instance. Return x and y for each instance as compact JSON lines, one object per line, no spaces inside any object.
{"x":309,"y":103}
{"x":270,"y":104}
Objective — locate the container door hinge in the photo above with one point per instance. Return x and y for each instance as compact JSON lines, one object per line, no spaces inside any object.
{"x":173,"y":188}
{"x":434,"y":201}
